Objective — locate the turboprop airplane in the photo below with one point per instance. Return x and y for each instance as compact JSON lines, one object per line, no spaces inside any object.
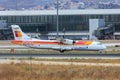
{"x":61,"y":44}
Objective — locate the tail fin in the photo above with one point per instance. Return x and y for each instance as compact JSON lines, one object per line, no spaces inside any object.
{"x":18,"y":34}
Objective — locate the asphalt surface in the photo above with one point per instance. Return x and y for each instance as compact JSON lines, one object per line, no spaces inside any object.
{"x":57,"y":56}
{"x":61,"y":56}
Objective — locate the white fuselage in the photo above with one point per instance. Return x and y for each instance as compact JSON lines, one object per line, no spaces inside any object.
{"x":93,"y":46}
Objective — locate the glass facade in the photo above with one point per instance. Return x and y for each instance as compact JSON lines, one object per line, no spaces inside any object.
{"x":47,"y":23}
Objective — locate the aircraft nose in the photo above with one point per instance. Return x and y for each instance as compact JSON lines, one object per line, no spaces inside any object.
{"x":104,"y":47}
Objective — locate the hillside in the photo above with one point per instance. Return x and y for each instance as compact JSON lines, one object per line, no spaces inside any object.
{"x":64,"y":4}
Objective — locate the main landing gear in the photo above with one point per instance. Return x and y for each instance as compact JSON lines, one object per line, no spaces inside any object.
{"x":61,"y":51}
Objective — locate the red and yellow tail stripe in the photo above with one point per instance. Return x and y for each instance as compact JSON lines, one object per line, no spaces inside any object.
{"x":18,"y":34}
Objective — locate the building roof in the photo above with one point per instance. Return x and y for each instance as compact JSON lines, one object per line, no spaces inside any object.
{"x":61,"y":12}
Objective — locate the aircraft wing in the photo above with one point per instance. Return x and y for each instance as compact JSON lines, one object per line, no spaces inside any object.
{"x":62,"y":48}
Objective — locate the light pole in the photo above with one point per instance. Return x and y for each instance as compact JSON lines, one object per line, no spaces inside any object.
{"x":16,"y":5}
{"x":57,"y":18}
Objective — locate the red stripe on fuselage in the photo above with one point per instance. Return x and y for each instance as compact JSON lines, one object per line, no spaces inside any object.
{"x":20,"y":42}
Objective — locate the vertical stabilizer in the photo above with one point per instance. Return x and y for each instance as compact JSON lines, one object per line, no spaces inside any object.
{"x":18,"y":34}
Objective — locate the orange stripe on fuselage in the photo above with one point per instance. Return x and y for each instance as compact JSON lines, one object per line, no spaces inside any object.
{"x":83,"y":42}
{"x":44,"y":42}
{"x":88,"y":42}
{"x":20,"y":42}
{"x":33,"y":42}
{"x":17,"y":42}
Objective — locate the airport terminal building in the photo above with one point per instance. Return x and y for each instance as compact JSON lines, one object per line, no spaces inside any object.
{"x":75,"y":23}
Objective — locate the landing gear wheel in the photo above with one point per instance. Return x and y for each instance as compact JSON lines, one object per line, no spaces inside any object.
{"x":100,"y":51}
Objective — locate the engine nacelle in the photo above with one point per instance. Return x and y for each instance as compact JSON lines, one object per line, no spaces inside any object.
{"x":68,"y":41}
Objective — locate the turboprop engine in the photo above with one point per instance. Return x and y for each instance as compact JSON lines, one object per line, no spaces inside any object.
{"x":68,"y":41}
{"x":65,"y":41}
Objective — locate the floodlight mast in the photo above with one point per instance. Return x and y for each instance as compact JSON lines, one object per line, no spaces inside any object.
{"x":57,"y":18}
{"x":16,"y":5}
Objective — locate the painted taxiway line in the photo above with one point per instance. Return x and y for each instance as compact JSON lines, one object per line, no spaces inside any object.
{"x":60,"y":56}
